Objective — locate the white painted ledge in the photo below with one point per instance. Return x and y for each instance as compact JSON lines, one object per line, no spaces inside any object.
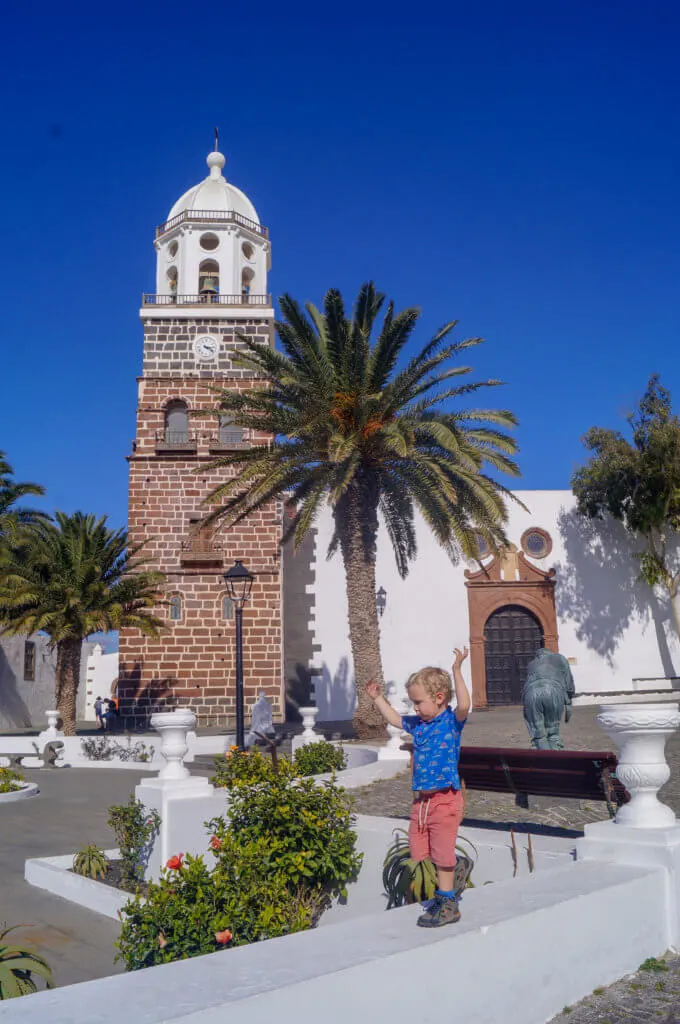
{"x":54,"y":875}
{"x":578,"y":927}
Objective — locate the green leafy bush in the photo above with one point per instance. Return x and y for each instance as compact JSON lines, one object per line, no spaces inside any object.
{"x":242,"y":767}
{"x":410,"y":881}
{"x":17,"y":967}
{"x":91,"y":862}
{"x":308,"y":825}
{"x":135,"y":829}
{"x":9,"y":780}
{"x":319,"y":757}
{"x":194,"y":910}
{"x":286,"y":848}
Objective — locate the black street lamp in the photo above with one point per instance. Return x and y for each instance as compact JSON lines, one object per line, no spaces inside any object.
{"x":239,"y":582}
{"x":381,"y":601}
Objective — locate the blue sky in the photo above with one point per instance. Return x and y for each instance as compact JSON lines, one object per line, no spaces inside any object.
{"x":514,"y":166}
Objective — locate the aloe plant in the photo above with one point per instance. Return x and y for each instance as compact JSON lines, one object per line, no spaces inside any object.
{"x":91,"y":862}
{"x":17,"y":967}
{"x":406,"y":880}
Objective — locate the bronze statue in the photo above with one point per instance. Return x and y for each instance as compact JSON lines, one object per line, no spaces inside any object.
{"x":547,"y":692}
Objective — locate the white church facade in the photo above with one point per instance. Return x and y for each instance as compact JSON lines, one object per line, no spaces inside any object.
{"x":566,"y":584}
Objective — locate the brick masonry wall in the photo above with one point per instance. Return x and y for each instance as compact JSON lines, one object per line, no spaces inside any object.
{"x":169,"y":346}
{"x":193,"y":663}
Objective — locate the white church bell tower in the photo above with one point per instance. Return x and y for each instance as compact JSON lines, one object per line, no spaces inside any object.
{"x":212,"y":249}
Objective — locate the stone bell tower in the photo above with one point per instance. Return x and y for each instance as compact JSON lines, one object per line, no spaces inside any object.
{"x":212,"y":259}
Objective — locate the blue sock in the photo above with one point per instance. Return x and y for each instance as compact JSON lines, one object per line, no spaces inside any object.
{"x":446,"y":893}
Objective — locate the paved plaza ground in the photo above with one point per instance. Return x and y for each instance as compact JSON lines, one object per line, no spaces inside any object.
{"x":72,"y":809}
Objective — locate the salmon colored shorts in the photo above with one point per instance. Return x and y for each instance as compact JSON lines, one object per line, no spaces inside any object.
{"x":433,"y":829}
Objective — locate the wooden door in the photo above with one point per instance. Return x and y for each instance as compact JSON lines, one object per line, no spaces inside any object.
{"x":512,"y":636}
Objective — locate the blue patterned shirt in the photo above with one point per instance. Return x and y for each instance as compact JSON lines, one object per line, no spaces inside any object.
{"x":436,"y":749}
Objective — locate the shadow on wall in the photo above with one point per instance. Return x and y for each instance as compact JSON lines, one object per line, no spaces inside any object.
{"x":334,"y":695}
{"x":138,"y":703}
{"x":14,"y":712}
{"x":599,"y":589}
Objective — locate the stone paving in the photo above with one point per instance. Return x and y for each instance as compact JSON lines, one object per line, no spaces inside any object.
{"x":70,"y":811}
{"x":650,"y":995}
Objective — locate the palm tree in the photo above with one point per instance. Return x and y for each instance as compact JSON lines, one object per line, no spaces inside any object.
{"x":13,"y":517}
{"x":69,"y":579}
{"x":352,"y":429}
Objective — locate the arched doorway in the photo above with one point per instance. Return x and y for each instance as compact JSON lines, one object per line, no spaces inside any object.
{"x":512,"y":635}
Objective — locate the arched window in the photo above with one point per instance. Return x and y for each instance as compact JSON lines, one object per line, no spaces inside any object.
{"x":175,"y":608}
{"x":227,"y":608}
{"x":247,"y":276}
{"x":176,"y":422}
{"x":29,"y":662}
{"x":172,"y":280}
{"x":228,"y":433}
{"x":209,"y":279}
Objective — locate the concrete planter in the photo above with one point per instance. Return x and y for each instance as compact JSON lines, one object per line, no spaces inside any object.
{"x":640,"y":732}
{"x":54,"y":875}
{"x":25,"y":790}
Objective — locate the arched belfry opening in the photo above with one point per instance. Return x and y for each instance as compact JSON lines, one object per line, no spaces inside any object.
{"x":209,"y":278}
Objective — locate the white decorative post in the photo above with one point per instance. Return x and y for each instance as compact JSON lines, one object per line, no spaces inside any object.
{"x":184,"y":801}
{"x":640,"y":732}
{"x":307,"y":735}
{"x":51,"y":732}
{"x":173,"y":728}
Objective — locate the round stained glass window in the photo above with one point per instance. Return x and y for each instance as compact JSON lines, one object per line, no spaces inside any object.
{"x":536,"y":543}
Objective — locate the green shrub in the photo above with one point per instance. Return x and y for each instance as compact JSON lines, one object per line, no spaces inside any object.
{"x":17,"y":967}
{"x":307,"y":825}
{"x":319,"y":757}
{"x":91,"y":862}
{"x":9,"y":780}
{"x":135,"y":829}
{"x":285,"y":849}
{"x":194,"y":910}
{"x":242,"y":767}
{"x":410,"y":881}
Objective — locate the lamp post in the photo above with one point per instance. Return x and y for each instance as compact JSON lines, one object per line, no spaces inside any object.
{"x":239,"y":582}
{"x":381,"y":601}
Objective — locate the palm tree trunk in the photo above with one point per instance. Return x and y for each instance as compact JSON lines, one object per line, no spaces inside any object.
{"x":68,"y":677}
{"x":357,"y":524}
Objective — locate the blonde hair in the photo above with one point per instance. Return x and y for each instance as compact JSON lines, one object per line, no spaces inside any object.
{"x":433,"y":681}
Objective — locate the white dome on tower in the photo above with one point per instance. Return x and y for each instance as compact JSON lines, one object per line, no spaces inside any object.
{"x":215,"y":193}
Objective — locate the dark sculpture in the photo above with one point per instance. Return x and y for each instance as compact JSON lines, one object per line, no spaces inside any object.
{"x":51,"y":751}
{"x":547,"y":693}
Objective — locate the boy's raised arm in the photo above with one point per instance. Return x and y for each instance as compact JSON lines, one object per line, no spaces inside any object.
{"x":389,"y":713}
{"x":462,"y":696}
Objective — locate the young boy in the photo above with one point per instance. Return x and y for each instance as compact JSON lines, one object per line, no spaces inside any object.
{"x":437,"y":807}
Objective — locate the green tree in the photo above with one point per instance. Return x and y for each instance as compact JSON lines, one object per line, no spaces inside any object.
{"x":15,"y":517}
{"x":637,"y":482}
{"x":373,"y":440}
{"x":69,"y":579}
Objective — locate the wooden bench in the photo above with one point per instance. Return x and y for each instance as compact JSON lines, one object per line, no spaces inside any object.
{"x":576,"y":774}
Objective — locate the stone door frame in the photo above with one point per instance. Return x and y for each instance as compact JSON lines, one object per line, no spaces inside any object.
{"x":493,"y":587}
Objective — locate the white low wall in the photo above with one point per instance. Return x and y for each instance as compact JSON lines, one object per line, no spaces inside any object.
{"x":523,"y":950}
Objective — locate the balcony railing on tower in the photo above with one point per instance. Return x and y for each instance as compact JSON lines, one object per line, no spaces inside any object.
{"x":207,"y":299}
{"x":211,"y":216}
{"x":198,"y":549}
{"x":175,"y":441}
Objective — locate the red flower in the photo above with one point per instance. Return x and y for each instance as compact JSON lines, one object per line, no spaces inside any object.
{"x":216,"y":843}
{"x":175,"y":863}
{"x":223,"y":937}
